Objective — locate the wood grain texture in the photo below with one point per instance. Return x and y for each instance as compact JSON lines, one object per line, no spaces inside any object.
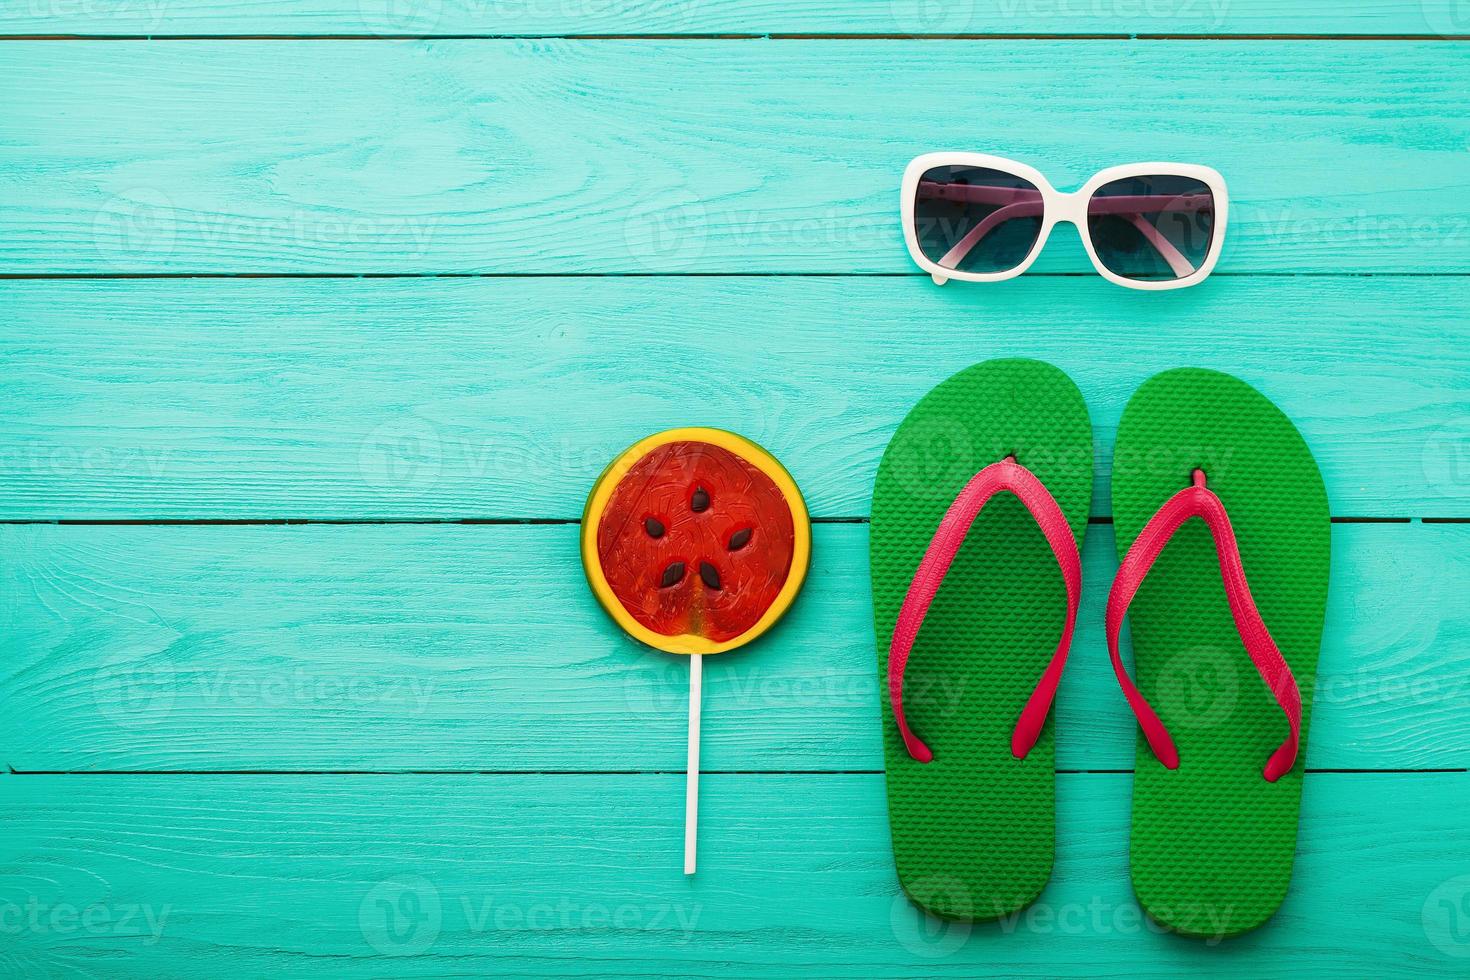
{"x":110,"y":18}
{"x":452,"y":398}
{"x":372,"y":876}
{"x":698,"y":156}
{"x":477,"y":648}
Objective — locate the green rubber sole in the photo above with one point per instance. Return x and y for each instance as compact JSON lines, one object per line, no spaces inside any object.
{"x":974,"y":829}
{"x":1212,"y":841}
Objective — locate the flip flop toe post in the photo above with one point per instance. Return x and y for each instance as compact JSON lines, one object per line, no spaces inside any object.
{"x":979,"y":509}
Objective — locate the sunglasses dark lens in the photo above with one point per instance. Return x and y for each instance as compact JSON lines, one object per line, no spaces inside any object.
{"x":1152,"y":227}
{"x":973,"y":219}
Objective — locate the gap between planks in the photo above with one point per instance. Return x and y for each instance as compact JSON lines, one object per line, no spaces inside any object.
{"x":11,"y":770}
{"x":1102,"y":520}
{"x":106,"y":276}
{"x":782,"y":36}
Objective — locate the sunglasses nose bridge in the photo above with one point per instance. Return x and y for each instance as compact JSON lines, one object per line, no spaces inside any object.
{"x":1070,"y":209}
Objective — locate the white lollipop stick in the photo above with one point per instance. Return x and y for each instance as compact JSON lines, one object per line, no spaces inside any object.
{"x":691,"y":794}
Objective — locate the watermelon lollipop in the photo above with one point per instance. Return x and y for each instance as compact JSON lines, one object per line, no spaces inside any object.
{"x":695,"y":541}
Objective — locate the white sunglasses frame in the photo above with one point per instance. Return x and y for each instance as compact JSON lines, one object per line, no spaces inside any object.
{"x":1058,"y":207}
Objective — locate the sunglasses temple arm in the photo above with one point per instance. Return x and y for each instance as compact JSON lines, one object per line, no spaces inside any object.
{"x":1163,"y":246}
{"x":995,"y":219}
{"x":1113,"y":204}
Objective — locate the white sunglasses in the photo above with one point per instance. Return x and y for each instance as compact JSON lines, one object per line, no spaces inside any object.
{"x":983,"y":218}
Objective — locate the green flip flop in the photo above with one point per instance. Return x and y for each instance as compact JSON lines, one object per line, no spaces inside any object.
{"x":973,"y":611}
{"x":1223,"y":532}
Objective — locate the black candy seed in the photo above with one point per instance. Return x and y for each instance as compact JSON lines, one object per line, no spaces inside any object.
{"x":673,"y":575}
{"x":699,"y":503}
{"x":739,"y":539}
{"x":653,"y":526}
{"x":708,"y":574}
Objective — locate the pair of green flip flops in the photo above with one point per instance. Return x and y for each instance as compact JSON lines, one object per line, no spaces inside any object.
{"x":1213,"y":838}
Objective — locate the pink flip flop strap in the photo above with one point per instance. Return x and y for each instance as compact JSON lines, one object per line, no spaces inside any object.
{"x":1199,"y":501}
{"x":1010,"y":476}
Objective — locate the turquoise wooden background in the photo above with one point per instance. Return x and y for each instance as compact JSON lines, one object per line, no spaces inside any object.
{"x":318,"y":319}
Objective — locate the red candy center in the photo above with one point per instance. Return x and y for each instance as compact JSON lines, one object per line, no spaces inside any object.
{"x":696,"y":541}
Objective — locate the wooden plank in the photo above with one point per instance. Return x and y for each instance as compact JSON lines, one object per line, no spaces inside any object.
{"x":698,"y":155}
{"x":112,"y":18}
{"x":452,"y":647}
{"x":505,"y":398}
{"x":370,"y":876}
